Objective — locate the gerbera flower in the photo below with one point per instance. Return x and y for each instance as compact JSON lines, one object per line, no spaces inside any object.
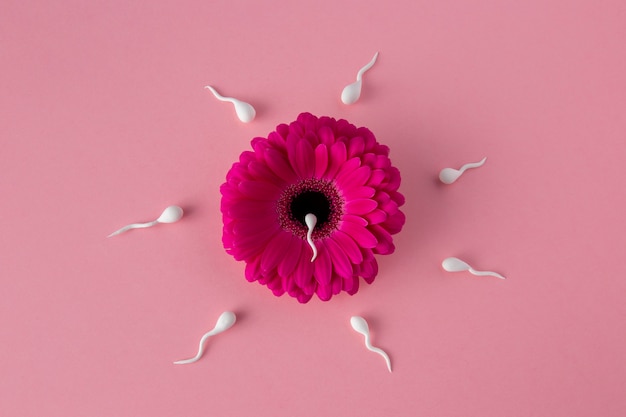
{"x":309,"y":207}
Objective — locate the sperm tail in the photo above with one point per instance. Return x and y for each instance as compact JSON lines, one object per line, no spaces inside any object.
{"x":218,"y":95}
{"x":201,"y":349}
{"x":486,"y":273}
{"x":473,"y":164}
{"x":311,"y":221}
{"x":366,"y":67}
{"x":122,"y":230}
{"x":381,"y":352}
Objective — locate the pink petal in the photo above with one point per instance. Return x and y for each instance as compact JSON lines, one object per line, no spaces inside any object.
{"x":260,"y":145}
{"x":307,"y":121}
{"x":288,"y":284}
{"x":276,"y":139}
{"x":369,"y":269}
{"x":349,"y":246}
{"x":324,"y":292}
{"x":278,"y":291}
{"x":397,"y":197}
{"x":310,"y":287}
{"x":394,"y":178}
{"x":394,"y":223}
{"x":351,"y":285}
{"x":357,"y":178}
{"x":340,"y":262}
{"x":368,"y":136}
{"x":345,"y":128}
{"x":247,"y":227}
{"x":293,"y":291}
{"x":227,"y":240}
{"x":264,"y":278}
{"x":336,"y":284}
{"x":325,"y":121}
{"x":321,"y":160}
{"x":259,"y":190}
{"x":390,"y":207}
{"x":358,"y":220}
{"x":261,"y":171}
{"x":323,"y":267}
{"x":326,"y":135}
{"x":360,"y":206}
{"x":303,"y":274}
{"x":376,"y":216}
{"x":385,"y":241}
{"x":254,"y":239}
{"x":382,"y":149}
{"x":233,"y":184}
{"x":253,"y":270}
{"x":304,"y":298}
{"x":382,"y":197}
{"x":230,"y":194}
{"x":277,"y":162}
{"x":305,"y":161}
{"x":347,"y":169}
{"x":251,"y":210}
{"x":337,"y":155}
{"x":283,"y":130}
{"x":311,"y":137}
{"x":291,"y":144}
{"x":248,"y":156}
{"x":376,"y":178}
{"x":356,"y":146}
{"x":369,"y":159}
{"x":276,"y":285}
{"x":296,"y":128}
{"x":275,"y":250}
{"x":246,"y":252}
{"x":363,"y":237}
{"x":358,"y":192}
{"x":291,"y":257}
{"x":382,"y":162}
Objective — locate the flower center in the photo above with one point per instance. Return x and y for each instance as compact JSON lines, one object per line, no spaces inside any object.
{"x":313,"y":202}
{"x":310,"y":196}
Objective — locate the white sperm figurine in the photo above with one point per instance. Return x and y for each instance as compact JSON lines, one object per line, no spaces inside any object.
{"x":457,"y":265}
{"x":449,"y":175}
{"x":359,"y":324}
{"x":352,"y":92}
{"x":311,"y":220}
{"x":245,"y":112}
{"x":170,"y":215}
{"x":226,"y":320}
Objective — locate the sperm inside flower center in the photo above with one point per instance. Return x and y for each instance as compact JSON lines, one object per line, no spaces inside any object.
{"x":312,"y":202}
{"x":311,"y":222}
{"x":310,"y":196}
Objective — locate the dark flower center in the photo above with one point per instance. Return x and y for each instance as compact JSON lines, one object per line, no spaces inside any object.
{"x":312,"y":195}
{"x":310,"y":202}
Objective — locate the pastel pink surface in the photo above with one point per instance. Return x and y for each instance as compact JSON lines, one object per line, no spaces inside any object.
{"x":104,"y":121}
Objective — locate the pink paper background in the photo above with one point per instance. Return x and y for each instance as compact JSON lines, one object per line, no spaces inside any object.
{"x":104,"y":121}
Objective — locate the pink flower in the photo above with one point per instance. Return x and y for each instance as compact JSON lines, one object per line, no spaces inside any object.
{"x":320,"y":166}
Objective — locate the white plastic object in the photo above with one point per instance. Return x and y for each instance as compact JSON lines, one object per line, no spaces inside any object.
{"x":245,"y":112}
{"x":449,"y":175}
{"x":170,"y":215}
{"x":352,"y":92}
{"x":311,"y":220}
{"x":226,"y":320}
{"x":359,"y":324}
{"x":457,"y":265}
